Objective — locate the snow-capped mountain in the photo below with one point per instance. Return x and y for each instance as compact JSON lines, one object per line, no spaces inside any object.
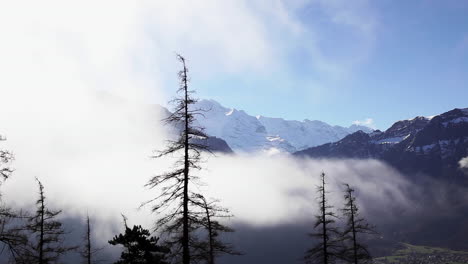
{"x":433,"y":146}
{"x":247,"y":133}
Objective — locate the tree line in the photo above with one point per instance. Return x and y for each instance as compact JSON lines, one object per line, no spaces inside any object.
{"x":335,"y":244}
{"x":189,"y":224}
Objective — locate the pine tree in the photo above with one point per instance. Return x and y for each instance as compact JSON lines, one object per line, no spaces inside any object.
{"x":139,"y":247}
{"x":328,"y":247}
{"x":48,"y":245}
{"x":11,"y":236}
{"x":178,"y":224}
{"x":87,"y":253}
{"x":5,"y":158}
{"x":354,"y":251}
{"x":213,"y":246}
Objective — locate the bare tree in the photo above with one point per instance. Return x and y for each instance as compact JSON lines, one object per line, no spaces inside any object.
{"x":328,"y":248}
{"x":354,"y":251}
{"x":211,"y":248}
{"x":5,"y":158}
{"x":89,"y":251}
{"x":176,"y":184}
{"x":48,"y":245}
{"x":11,"y":235}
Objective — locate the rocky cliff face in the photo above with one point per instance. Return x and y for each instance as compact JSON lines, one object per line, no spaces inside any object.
{"x":420,"y":145}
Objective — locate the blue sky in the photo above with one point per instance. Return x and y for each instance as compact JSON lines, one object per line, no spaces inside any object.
{"x":339,"y":62}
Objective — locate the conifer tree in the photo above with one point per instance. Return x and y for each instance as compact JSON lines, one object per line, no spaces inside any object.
{"x":327,"y":248}
{"x":89,"y":251}
{"x":11,"y":236}
{"x":47,"y":245}
{"x":175,"y":185}
{"x":5,"y":158}
{"x":356,"y":227}
{"x":139,"y":247}
{"x":213,"y":246}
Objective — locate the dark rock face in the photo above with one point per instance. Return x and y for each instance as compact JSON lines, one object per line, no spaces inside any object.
{"x":421,"y":145}
{"x":215,"y":144}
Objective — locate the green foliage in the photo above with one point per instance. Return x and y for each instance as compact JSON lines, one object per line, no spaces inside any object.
{"x":140,"y":247}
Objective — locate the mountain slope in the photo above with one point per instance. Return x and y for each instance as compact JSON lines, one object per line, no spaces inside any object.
{"x":420,"y":145}
{"x":247,"y":133}
{"x":213,"y":143}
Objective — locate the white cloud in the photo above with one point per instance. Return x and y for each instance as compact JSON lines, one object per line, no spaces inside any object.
{"x":270,"y":190}
{"x":91,"y":150}
{"x":136,"y":40}
{"x":369,"y":122}
{"x":463,"y":163}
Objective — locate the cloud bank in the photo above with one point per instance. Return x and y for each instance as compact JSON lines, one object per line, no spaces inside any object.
{"x":67,"y":64}
{"x":463,"y":163}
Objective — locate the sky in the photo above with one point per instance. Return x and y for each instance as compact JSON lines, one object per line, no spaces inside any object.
{"x":341,"y":62}
{"x":374,"y":62}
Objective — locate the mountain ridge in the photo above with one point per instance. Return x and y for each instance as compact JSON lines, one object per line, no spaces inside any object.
{"x":247,"y":133}
{"x":432,"y":146}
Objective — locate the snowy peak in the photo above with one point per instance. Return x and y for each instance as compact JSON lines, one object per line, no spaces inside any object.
{"x":400,"y":130}
{"x":306,"y":133}
{"x":241,"y":131}
{"x":431,"y":146}
{"x":406,"y":126}
{"x":449,"y":126}
{"x":247,"y":133}
{"x":452,"y":117}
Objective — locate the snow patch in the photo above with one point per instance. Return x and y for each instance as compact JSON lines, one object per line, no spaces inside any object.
{"x":456,"y":121}
{"x":392,"y":140}
{"x":463,"y":163}
{"x":230,"y":112}
{"x":275,"y":138}
{"x":245,"y":133}
{"x":425,"y":148}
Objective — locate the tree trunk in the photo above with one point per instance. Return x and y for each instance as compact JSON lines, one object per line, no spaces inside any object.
{"x":88,"y":238}
{"x":353,"y":228}
{"x":210,"y":234}
{"x":324,"y":223}
{"x":185,"y":235}
{"x":41,"y":236}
